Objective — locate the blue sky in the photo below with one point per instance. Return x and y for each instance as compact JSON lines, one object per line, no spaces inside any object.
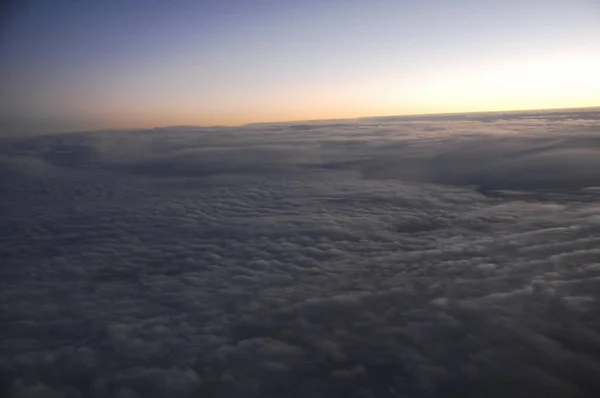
{"x":67,"y":64}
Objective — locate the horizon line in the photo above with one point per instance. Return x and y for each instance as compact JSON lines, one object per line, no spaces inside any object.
{"x":250,"y":124}
{"x":579,"y":108}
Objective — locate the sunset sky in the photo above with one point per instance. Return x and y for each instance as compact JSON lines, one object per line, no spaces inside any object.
{"x":86,"y":64}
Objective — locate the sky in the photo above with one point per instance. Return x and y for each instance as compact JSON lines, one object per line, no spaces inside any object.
{"x":87,"y":64}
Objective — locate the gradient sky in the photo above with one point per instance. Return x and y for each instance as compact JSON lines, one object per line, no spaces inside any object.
{"x":85,"y":64}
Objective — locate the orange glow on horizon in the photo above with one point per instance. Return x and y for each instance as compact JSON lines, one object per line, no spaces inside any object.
{"x":542,"y":81}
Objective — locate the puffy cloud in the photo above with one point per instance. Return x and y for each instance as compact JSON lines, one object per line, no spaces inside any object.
{"x":371,"y":258}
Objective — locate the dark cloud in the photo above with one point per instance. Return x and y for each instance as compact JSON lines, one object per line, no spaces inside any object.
{"x":419,"y":258}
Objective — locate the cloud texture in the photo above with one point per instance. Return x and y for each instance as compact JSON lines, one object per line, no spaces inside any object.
{"x":383,"y":257}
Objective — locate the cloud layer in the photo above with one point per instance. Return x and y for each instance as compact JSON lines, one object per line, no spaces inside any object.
{"x":384,"y":257}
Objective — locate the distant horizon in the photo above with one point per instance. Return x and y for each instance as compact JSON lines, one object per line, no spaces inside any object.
{"x":9,"y":133}
{"x":582,"y":108}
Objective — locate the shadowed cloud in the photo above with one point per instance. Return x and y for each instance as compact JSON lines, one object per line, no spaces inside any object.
{"x":444,"y":258}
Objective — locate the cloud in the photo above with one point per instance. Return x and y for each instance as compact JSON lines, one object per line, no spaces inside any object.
{"x":370,"y":258}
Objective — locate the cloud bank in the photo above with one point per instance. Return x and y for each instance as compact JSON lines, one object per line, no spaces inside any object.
{"x":383,"y":257}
